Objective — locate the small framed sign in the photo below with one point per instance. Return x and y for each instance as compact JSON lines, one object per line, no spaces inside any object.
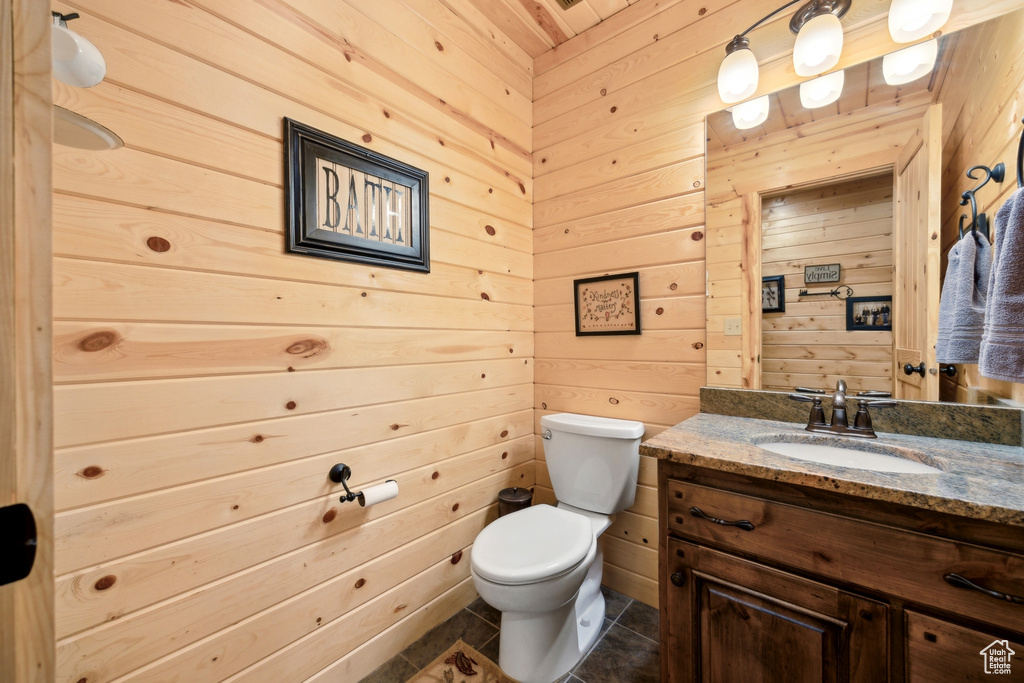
{"x":773,"y":294}
{"x":824,"y":273}
{"x":348,"y":203}
{"x":609,"y":304}
{"x":869,"y":313}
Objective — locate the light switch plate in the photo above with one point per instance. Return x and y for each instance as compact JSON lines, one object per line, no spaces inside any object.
{"x":732,"y":327}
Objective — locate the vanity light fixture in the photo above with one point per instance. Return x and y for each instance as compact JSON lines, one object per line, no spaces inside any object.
{"x":910,"y":64}
{"x":750,"y":113}
{"x":910,"y":20}
{"x":822,"y":90}
{"x":76,"y":61}
{"x":819,"y":36}
{"x":819,"y":40}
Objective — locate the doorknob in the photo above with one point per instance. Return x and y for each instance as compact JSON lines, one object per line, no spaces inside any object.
{"x":948,"y":370}
{"x":17,"y":542}
{"x":909,"y":369}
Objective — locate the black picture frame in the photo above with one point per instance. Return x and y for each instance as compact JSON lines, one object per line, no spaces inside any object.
{"x":607,"y":305}
{"x":349,"y":203}
{"x":773,"y":294}
{"x":869,"y":313}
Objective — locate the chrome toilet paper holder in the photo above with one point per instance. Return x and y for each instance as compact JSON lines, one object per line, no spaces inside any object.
{"x":339,"y":474}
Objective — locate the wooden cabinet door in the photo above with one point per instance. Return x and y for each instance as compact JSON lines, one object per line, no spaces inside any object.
{"x":939,"y":651}
{"x":732,"y":620}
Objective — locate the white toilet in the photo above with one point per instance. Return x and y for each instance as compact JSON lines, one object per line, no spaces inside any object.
{"x":541,"y":566}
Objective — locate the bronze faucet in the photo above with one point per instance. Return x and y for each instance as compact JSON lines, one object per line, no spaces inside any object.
{"x":840,"y":424}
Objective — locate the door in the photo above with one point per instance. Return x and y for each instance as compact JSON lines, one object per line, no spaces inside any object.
{"x":26,"y":453}
{"x":916,"y":261}
{"x":733,"y":620}
{"x":939,"y":650}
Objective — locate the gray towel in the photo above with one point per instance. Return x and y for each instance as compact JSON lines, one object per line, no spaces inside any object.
{"x":962,"y":304}
{"x":1002,"y":345}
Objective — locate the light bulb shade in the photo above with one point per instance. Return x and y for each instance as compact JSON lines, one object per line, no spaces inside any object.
{"x":822,"y":90}
{"x":76,"y":61}
{"x":910,"y":63}
{"x":910,"y":20}
{"x":818,"y":45}
{"x":737,"y":77}
{"x":751,"y":113}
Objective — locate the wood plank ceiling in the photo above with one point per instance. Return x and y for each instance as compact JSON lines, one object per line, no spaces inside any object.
{"x":539,"y":25}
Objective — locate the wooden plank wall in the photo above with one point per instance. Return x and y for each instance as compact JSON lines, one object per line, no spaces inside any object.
{"x":866,"y":140}
{"x":619,"y":179}
{"x":207,"y":381}
{"x":848,"y":223}
{"x":982,"y":111}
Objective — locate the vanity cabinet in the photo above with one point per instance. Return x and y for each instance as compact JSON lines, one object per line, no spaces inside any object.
{"x":763,"y":581}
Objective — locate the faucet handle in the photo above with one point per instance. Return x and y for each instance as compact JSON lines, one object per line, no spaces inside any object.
{"x":817,"y":416}
{"x":862,"y":420}
{"x":841,"y":385}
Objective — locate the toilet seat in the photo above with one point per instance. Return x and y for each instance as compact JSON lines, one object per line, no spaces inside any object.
{"x":532,"y":545}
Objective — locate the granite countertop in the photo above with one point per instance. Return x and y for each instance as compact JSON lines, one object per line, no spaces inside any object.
{"x":978,"y":480}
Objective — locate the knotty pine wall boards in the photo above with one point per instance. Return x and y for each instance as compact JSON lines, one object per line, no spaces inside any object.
{"x":207,"y":381}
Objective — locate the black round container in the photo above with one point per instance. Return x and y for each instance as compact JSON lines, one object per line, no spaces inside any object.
{"x":510,"y":500}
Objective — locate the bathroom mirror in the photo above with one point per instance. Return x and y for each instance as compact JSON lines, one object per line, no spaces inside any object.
{"x":851,"y":203}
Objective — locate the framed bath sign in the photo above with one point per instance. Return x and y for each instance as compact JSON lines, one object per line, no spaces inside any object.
{"x":609,"y":304}
{"x":349,"y":203}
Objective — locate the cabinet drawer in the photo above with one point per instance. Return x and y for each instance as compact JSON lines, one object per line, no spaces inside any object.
{"x":891,"y":561}
{"x":938,"y":650}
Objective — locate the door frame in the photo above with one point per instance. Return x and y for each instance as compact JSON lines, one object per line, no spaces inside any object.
{"x":26,"y":388}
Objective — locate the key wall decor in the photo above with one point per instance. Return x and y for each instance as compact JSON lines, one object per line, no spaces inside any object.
{"x":349,"y":203}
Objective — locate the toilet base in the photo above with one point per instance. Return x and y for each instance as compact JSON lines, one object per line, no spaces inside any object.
{"x":542,"y":647}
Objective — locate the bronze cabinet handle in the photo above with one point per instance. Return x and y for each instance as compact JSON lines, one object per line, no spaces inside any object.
{"x":742,"y":524}
{"x":677,"y":579}
{"x":960,"y":582}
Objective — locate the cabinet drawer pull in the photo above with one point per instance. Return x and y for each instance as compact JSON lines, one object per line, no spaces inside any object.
{"x":961,"y":582}
{"x":743,"y":524}
{"x":677,"y":579}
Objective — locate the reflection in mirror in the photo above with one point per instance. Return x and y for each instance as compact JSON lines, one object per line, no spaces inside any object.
{"x":871,"y":183}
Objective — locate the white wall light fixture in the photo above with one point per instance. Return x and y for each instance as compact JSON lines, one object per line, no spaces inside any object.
{"x":910,"y":20}
{"x":750,"y":113}
{"x":819,"y":40}
{"x":76,"y":61}
{"x":822,"y":90}
{"x":910,"y":64}
{"x":819,"y":36}
{"x":737,"y":77}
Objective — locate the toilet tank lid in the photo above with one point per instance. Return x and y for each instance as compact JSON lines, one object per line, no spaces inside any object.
{"x":595,"y":426}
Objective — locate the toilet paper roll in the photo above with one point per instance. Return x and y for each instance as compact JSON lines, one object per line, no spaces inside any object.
{"x":378,"y":494}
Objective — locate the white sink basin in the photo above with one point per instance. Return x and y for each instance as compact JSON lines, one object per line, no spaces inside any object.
{"x":848,"y":457}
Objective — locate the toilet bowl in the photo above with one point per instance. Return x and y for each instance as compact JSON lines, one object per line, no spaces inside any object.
{"x":541,"y":566}
{"x":533,"y":565}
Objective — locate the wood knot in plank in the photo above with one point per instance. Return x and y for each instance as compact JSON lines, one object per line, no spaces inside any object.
{"x":97,"y":341}
{"x":91,"y":472}
{"x":307,"y":348}
{"x":105,"y":582}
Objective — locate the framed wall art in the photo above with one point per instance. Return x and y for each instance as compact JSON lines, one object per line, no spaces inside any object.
{"x":869,"y":313}
{"x":773,"y":294}
{"x":349,"y":203}
{"x":609,"y":304}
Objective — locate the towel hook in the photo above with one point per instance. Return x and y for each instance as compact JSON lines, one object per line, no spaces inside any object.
{"x":979,"y":222}
{"x":1020,"y":160}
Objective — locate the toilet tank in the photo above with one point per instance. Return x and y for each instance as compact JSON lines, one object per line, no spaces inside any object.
{"x":592,"y":461}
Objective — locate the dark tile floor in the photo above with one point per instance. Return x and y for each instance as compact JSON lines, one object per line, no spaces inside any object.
{"x":626,"y":652}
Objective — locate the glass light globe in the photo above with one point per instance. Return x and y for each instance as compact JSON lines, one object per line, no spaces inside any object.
{"x":76,"y":61}
{"x":822,"y":90}
{"x":737,"y":77}
{"x":818,"y":45}
{"x":910,"y":20}
{"x":910,"y":63}
{"x":751,"y":113}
